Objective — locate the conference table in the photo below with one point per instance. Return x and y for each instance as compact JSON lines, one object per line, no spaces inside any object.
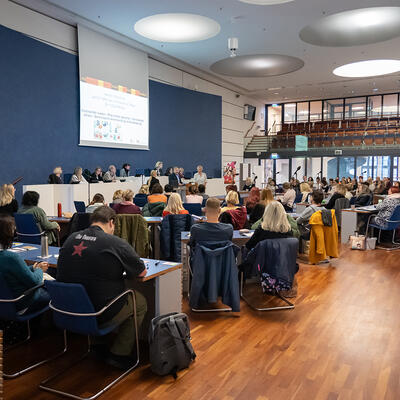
{"x":350,"y":217}
{"x":162,"y":285}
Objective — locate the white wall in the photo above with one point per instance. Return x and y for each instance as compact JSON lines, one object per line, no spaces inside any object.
{"x":64,"y":37}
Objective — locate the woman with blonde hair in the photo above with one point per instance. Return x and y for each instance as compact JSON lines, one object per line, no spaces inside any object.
{"x":55,"y":177}
{"x":305,"y":190}
{"x":127,"y":206}
{"x":274,"y":225}
{"x":141,"y":198}
{"x":339,"y":193}
{"x":153,"y":179}
{"x":117,"y":196}
{"x":174,"y":206}
{"x":77,"y":177}
{"x":144,"y":189}
{"x":231,"y":200}
{"x":8,"y":205}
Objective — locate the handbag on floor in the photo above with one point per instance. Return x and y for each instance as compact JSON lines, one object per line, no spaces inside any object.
{"x":170,"y":347}
{"x":357,"y":242}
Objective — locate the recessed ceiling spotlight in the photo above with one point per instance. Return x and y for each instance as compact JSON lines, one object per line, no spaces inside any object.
{"x":367,"y":68}
{"x":177,"y":28}
{"x":354,"y":27}
{"x":265,"y":2}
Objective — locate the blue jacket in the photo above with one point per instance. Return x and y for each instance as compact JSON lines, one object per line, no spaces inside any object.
{"x":170,"y":236}
{"x":275,"y":261}
{"x":215,"y":274}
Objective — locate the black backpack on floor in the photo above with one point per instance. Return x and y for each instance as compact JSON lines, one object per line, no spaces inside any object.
{"x":170,"y":347}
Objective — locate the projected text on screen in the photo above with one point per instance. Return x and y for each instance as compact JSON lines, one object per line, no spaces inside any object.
{"x":113,"y":116}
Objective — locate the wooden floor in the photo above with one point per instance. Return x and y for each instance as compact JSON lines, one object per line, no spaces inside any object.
{"x":342,"y":341}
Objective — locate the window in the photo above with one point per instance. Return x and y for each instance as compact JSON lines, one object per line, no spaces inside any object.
{"x":355,"y":107}
{"x":374,"y":106}
{"x":364,"y":167}
{"x":346,"y":167}
{"x":268,"y":168}
{"x":316,"y":111}
{"x":302,"y":112}
{"x":329,"y":167}
{"x":313,"y":167}
{"x":390,"y":105}
{"x":290,"y":112}
{"x":333,"y":109}
{"x":381,"y":167}
{"x":396,"y":172}
{"x":282,"y":170}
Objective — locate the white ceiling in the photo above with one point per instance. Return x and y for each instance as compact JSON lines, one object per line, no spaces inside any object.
{"x":260,"y":29}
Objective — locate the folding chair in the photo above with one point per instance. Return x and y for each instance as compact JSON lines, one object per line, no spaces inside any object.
{"x":73,"y":311}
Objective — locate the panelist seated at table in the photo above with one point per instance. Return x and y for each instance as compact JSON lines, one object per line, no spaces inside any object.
{"x":30,"y":201}
{"x":98,"y":260}
{"x":97,"y":175}
{"x":174,"y":205}
{"x":18,"y":276}
{"x":175,"y":179}
{"x":158,"y":167}
{"x":193,"y":197}
{"x":125,"y":171}
{"x":8,"y":204}
{"x":55,"y":177}
{"x":157,"y":195}
{"x":200,"y":177}
{"x":111,"y":174}
{"x":97,"y":201}
{"x":127,"y":206}
{"x":212,"y":230}
{"x":77,"y":176}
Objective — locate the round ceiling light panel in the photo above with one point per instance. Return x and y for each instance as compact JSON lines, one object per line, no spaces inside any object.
{"x":257,"y":65}
{"x":177,"y":28}
{"x":354,"y":27}
{"x":363,"y":69}
{"x":265,"y":2}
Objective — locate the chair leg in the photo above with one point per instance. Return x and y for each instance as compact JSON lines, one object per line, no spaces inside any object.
{"x":105,"y":388}
{"x":396,"y":244}
{"x":277,"y":294}
{"x":32,"y":366}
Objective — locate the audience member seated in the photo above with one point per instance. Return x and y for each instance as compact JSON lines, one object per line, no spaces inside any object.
{"x":168,"y":190}
{"x":127,"y":206}
{"x":157,"y":195}
{"x":348,"y":195}
{"x":158,"y":167}
{"x":324,"y":185}
{"x":231,"y":201}
{"x":17,"y":275}
{"x":339,"y":193}
{"x":253,"y":199}
{"x":316,"y":205}
{"x":248,"y":185}
{"x":98,"y":260}
{"x":212,"y":230}
{"x":111,"y":174}
{"x":174,"y":179}
{"x":379,"y":186}
{"x":271,"y":186}
{"x":305,"y":191}
{"x":97,"y":201}
{"x":288,"y":198}
{"x":386,"y":207}
{"x":200,"y":177}
{"x":257,"y":213}
{"x":125,"y":171}
{"x":174,"y":205}
{"x":144,"y":189}
{"x":117,"y":197}
{"x":193,"y":197}
{"x":228,"y":188}
{"x":153,"y":179}
{"x":202,"y":192}
{"x":97,"y":175}
{"x":363,"y":197}
{"x":274,"y":225}
{"x":55,"y":177}
{"x":29,"y":205}
{"x":77,"y":176}
{"x":8,"y":204}
{"x":232,"y":213}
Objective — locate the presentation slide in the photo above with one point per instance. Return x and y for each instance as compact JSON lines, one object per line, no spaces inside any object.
{"x":113,"y":116}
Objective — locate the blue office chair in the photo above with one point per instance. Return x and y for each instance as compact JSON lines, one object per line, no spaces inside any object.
{"x":188,"y":175}
{"x":80,"y":206}
{"x":193,"y":208}
{"x":140,"y":200}
{"x":74,"y":312}
{"x":353,"y":200}
{"x":139,"y":171}
{"x":390,"y":225}
{"x":147,"y":172}
{"x":298,"y":198}
{"x":9,"y":312}
{"x":67,"y":178}
{"x":203,"y":204}
{"x":28,"y":230}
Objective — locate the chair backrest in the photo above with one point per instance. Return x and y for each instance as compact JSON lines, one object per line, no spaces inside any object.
{"x":203,"y":204}
{"x":67,"y":178}
{"x":28,"y":230}
{"x":79,"y":222}
{"x":73,"y":298}
{"x":298,"y":198}
{"x":352,"y":200}
{"x":140,"y":201}
{"x":8,"y":311}
{"x":394,"y":221}
{"x":193,"y":208}
{"x":340,"y":204}
{"x":188,"y":175}
{"x":80,"y":206}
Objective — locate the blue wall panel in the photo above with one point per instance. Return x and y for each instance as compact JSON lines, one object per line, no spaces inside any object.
{"x":39,"y":118}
